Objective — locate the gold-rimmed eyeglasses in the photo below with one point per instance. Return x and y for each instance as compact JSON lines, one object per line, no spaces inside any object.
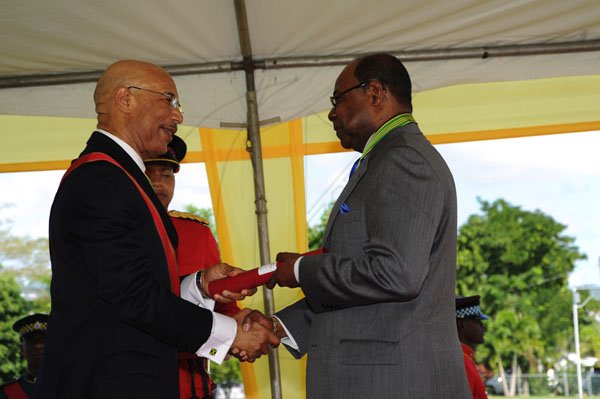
{"x":173,"y":100}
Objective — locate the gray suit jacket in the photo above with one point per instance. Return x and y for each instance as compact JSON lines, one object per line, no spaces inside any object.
{"x":378,"y":317}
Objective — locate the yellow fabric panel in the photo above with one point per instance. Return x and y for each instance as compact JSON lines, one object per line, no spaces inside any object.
{"x":32,"y":143}
{"x":501,"y":106}
{"x":212,"y":174}
{"x":297,"y":159}
{"x":513,"y":133}
{"x":317,"y":129}
{"x":232,"y":189}
{"x":41,"y":141}
{"x":496,"y":110}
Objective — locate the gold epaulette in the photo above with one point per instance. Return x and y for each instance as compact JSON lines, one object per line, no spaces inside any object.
{"x":189,"y":216}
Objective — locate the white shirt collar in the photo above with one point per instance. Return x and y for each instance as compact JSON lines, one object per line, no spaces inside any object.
{"x":127,"y":148}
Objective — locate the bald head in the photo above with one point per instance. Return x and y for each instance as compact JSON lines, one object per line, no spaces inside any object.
{"x":123,"y":73}
{"x":137,"y":102}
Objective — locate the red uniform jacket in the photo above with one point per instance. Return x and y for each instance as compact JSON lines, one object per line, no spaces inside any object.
{"x":475,"y":381}
{"x":197,"y":250}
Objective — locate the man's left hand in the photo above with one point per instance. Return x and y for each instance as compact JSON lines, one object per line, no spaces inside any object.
{"x":222,"y":270}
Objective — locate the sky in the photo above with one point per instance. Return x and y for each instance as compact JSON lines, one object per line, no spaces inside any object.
{"x":557,"y":174}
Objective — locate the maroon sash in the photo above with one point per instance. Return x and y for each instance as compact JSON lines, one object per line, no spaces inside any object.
{"x":160,"y":227}
{"x":14,"y":391}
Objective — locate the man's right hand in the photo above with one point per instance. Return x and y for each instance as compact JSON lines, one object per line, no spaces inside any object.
{"x":284,"y":274}
{"x":251,"y":340}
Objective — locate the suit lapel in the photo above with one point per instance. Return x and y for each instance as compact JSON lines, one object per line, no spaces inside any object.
{"x":352,"y":182}
{"x":395,"y":137}
{"x":99,"y":142}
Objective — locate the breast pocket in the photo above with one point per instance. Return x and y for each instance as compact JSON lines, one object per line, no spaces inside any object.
{"x":348,"y":233}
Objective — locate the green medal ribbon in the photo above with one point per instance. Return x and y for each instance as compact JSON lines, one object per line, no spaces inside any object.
{"x":396,"y":121}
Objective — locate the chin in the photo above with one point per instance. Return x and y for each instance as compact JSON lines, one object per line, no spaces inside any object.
{"x":346,"y":144}
{"x":160,"y":150}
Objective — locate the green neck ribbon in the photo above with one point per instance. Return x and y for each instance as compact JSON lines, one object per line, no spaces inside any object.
{"x":396,"y":121}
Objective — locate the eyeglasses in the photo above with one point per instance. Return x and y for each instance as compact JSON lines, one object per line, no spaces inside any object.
{"x":335,"y":99}
{"x":173,"y":100}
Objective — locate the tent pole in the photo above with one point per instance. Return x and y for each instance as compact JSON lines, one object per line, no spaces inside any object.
{"x":259,"y":180}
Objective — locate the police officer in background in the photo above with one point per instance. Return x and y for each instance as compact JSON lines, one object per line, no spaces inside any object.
{"x":197,"y":250}
{"x":470,"y":332}
{"x":32,"y":332}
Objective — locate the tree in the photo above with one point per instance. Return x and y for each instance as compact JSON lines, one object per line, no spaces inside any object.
{"x":204,"y":213}
{"x":518,"y":261}
{"x":316,"y":232}
{"x":12,"y":307}
{"x":226,"y":374}
{"x":24,"y":281}
{"x":29,"y":259}
{"x":589,"y":324}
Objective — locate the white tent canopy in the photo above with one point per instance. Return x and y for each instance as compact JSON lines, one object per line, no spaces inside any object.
{"x":52,"y":52}
{"x":451,"y":42}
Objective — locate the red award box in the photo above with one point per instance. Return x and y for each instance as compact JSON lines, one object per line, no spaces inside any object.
{"x":249,"y":279}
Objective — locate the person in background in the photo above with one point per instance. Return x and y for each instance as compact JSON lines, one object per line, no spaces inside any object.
{"x":485,"y":371}
{"x":471,"y":333}
{"x":32,"y":332}
{"x":196,"y":251}
{"x":118,"y":319}
{"x":377,"y":318}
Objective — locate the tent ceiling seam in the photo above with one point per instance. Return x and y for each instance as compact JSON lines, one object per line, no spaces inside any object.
{"x":58,"y":78}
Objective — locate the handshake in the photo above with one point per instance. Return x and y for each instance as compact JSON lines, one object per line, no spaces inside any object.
{"x":256,"y":333}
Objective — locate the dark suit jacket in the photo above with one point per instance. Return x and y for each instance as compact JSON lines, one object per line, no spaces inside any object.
{"x":115,"y":327}
{"x":378,"y":317}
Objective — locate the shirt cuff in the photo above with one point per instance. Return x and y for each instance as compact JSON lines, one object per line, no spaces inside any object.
{"x":297,"y":269}
{"x":221,"y":338}
{"x":191,"y":293}
{"x":288,"y":340}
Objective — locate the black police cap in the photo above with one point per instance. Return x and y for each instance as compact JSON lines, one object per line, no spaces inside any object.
{"x":36,"y":323}
{"x":175,"y":153}
{"x":468,"y":308}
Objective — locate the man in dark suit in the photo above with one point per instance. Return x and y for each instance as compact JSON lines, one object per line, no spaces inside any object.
{"x":117,"y":321}
{"x":377,"y":320}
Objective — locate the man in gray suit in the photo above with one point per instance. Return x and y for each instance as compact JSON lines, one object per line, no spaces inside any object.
{"x":377,"y":320}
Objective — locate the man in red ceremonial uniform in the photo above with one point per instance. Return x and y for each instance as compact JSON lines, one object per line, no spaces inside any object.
{"x":470,"y":332}
{"x":197,"y":250}
{"x":32,"y":331}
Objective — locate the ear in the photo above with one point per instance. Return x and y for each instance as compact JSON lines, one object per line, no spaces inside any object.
{"x":123,"y":99}
{"x":377,"y":92}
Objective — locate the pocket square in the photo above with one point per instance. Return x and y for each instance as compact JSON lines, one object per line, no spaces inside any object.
{"x":344,"y":208}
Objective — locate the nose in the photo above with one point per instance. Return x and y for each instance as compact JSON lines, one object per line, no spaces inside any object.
{"x":156,"y":183}
{"x":178,"y":115}
{"x":331,"y":116}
